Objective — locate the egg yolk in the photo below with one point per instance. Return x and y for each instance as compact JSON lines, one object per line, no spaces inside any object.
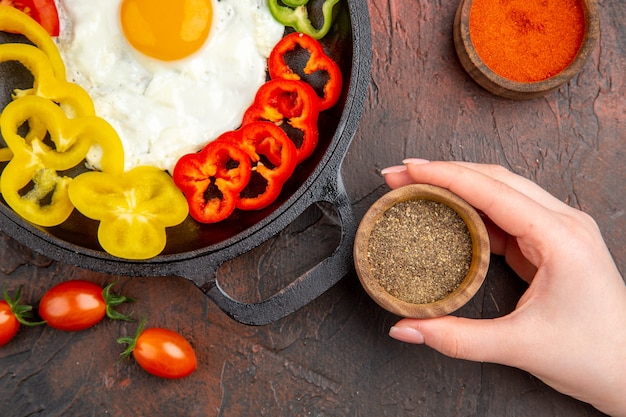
{"x":166,"y":29}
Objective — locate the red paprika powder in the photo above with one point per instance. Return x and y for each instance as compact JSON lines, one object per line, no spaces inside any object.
{"x":527,"y":40}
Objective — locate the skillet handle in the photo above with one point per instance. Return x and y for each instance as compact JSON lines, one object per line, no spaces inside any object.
{"x":308,"y":286}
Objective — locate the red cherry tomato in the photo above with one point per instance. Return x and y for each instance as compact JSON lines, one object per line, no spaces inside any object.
{"x":78,"y":305}
{"x":8,"y":323}
{"x":12,"y":314}
{"x":161,"y":352}
{"x":43,"y":12}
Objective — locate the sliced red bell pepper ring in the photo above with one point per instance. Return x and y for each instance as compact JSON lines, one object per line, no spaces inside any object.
{"x":43,"y":12}
{"x":212,"y":179}
{"x":292,"y":101}
{"x":273,"y":157}
{"x":318,"y":61}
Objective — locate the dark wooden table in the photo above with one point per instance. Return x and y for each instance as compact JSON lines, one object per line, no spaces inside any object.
{"x":333,"y":357}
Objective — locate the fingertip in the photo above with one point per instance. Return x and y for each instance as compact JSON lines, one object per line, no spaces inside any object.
{"x":406,"y":334}
{"x":415,"y":161}
{"x":399,"y":175}
{"x":397,"y":169}
{"x":396,"y":176}
{"x":485,"y":340}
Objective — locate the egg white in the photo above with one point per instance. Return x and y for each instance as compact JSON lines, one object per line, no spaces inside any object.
{"x":163,"y":110}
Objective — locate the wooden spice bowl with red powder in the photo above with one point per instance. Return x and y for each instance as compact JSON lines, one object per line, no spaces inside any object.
{"x":421,"y":251}
{"x":522,"y":49}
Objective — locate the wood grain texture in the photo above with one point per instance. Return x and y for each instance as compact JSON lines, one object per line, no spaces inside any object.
{"x":333,"y":357}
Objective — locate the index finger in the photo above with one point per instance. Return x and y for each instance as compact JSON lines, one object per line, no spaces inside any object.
{"x":399,"y":175}
{"x":513,"y":211}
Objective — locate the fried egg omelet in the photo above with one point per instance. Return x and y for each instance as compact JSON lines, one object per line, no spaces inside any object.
{"x":170,"y":88}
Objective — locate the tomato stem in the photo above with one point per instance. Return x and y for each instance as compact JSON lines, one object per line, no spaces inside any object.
{"x":131,"y":341}
{"x":113,"y":300}
{"x":21,"y":312}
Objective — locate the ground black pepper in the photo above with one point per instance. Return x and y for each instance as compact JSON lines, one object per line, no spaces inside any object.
{"x":419,"y":250}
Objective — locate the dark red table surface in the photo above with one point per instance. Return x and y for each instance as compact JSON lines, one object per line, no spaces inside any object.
{"x":333,"y":357}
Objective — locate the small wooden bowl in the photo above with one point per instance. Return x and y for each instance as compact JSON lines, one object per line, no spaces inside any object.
{"x":479,"y":259}
{"x":505,"y":87}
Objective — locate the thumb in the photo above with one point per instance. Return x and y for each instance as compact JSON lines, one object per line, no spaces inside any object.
{"x":484,"y":340}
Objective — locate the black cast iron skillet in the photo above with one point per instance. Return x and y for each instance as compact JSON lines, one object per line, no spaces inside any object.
{"x":196,"y":251}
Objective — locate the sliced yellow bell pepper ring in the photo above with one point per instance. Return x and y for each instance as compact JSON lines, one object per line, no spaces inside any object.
{"x":69,"y":139}
{"x":30,"y":183}
{"x":46,"y":203}
{"x":44,"y":61}
{"x":74,"y":100}
{"x":5,"y":154}
{"x":15,"y":21}
{"x":133,"y":208}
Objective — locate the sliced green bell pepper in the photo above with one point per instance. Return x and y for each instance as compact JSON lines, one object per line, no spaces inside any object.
{"x":296,"y":15}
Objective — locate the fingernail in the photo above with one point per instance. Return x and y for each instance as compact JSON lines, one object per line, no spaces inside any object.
{"x":407,"y":334}
{"x":393,"y":170}
{"x":415,"y":161}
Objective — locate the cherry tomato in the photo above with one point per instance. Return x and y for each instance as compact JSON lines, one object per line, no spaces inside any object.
{"x":78,"y":305}
{"x":8,"y":323}
{"x":12,"y":314}
{"x":43,"y":11}
{"x":161,"y":352}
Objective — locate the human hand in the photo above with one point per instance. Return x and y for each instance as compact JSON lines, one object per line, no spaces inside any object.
{"x":569,"y":327}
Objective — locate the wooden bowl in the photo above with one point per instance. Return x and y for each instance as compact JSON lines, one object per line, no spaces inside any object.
{"x":469,"y":285}
{"x":508,"y":88}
